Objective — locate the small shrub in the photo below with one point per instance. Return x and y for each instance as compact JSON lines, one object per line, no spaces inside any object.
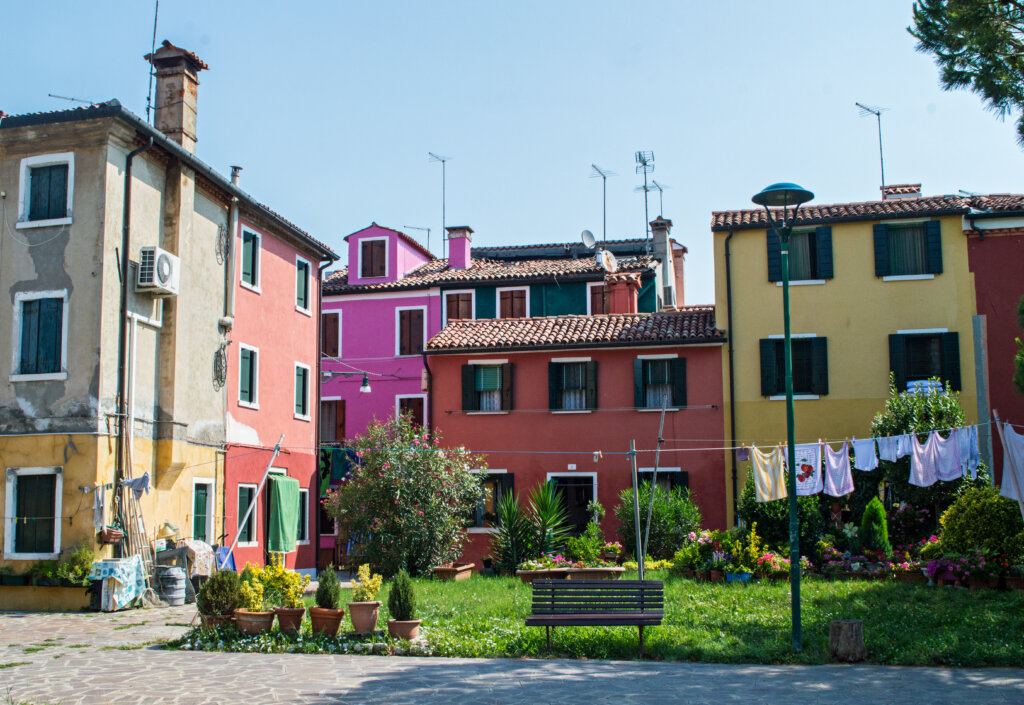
{"x":75,"y":569}
{"x":873,"y":528}
{"x":282,"y":587}
{"x":251,"y":589}
{"x":674,"y":515}
{"x":328,"y":591}
{"x":402,"y":598}
{"x":588,"y":546}
{"x":773,"y":518}
{"x":221,"y":594}
{"x":366,"y":586}
{"x":980,"y":518}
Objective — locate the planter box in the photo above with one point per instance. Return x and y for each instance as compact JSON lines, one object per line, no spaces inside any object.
{"x":914,"y":577}
{"x":737,"y":577}
{"x":454,"y":571}
{"x":605,"y":573}
{"x":528,"y":576}
{"x":44,"y":599}
{"x":14,"y":580}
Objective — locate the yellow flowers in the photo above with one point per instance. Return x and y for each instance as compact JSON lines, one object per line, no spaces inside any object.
{"x":366,"y":586}
{"x":272,"y":585}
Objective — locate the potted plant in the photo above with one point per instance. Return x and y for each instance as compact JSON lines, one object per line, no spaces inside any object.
{"x":219,"y":597}
{"x":326,"y":617}
{"x":283,"y":589}
{"x":717,"y":565}
{"x":44,"y":574}
{"x":612,"y":550}
{"x":250,"y":617}
{"x":982,"y":571}
{"x":402,"y":606}
{"x":454,"y":571}
{"x":363,"y":609}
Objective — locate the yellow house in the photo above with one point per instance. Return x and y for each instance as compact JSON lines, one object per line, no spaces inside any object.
{"x":877,"y":287}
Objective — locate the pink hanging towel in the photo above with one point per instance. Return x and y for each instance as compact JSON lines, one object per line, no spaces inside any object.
{"x":838,"y":478}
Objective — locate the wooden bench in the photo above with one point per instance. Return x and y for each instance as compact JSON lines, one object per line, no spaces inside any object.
{"x":591,"y":603}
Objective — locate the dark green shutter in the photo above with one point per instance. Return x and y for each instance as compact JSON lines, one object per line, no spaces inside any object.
{"x":39,"y":193}
{"x":506,"y":483}
{"x":248,"y":258}
{"x":933,"y":242}
{"x":638,"y":383}
{"x":469,"y":397}
{"x":302,"y":285}
{"x":199,"y":512}
{"x":951,"y":359}
{"x":881,"y":232}
{"x":298,"y":391}
{"x":774,"y":257}
{"x":678,"y":381}
{"x":35,"y":501}
{"x":58,"y":198}
{"x":823,"y":251}
{"x":554,"y":384}
{"x":245,"y":376}
{"x":819,"y":365}
{"x":29,"y":337}
{"x":591,"y":371}
{"x":244,"y":500}
{"x":898,"y":360}
{"x":769,"y":367}
{"x":50,"y":331}
{"x":506,"y":386}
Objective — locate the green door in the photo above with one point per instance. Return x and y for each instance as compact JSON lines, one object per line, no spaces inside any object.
{"x":35,"y":499}
{"x":200,"y":504}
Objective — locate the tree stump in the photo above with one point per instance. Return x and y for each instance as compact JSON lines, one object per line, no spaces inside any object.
{"x":846,"y":640}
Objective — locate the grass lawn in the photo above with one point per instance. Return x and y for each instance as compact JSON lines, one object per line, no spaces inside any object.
{"x":735,"y":623}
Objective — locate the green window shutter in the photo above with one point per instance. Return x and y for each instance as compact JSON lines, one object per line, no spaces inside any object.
{"x":933,"y":246}
{"x":244,"y":500}
{"x":679,"y":382}
{"x":248,"y":258}
{"x":819,"y":365}
{"x":300,"y":391}
{"x":303,"y":523}
{"x":506,"y":483}
{"x":591,"y":371}
{"x":245,"y":390}
{"x":951,"y":359}
{"x":554,"y":384}
{"x":29,"y":337}
{"x":638,"y":383}
{"x":898,"y":361}
{"x":823,"y":251}
{"x":881,"y":235}
{"x":34,"y":508}
{"x":769,"y":367}
{"x":302,"y":285}
{"x":774,"y":256}
{"x":58,"y":198}
{"x":39,"y":193}
{"x":469,"y":397}
{"x":48,"y":346}
{"x":199,"y":512}
{"x":506,"y":386}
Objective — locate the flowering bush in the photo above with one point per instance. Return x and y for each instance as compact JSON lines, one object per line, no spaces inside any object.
{"x":909,"y":524}
{"x":548,"y":561}
{"x":273,"y":585}
{"x":405,"y":504}
{"x":771,"y":564}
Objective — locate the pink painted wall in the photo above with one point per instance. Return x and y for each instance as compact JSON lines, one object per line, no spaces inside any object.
{"x":403,"y":255}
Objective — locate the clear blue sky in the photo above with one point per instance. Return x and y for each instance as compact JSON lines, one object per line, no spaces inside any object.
{"x":331,"y":107}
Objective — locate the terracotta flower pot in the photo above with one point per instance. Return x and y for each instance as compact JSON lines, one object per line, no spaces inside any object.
{"x":688,"y":573}
{"x":289,"y":619}
{"x":214,"y":620}
{"x":325,"y":620}
{"x":982,"y":583}
{"x":253,"y":622}
{"x":400,"y":629}
{"x":363,"y":615}
{"x":703,"y":575}
{"x":717,"y":576}
{"x":454,"y":571}
{"x":914,"y":577}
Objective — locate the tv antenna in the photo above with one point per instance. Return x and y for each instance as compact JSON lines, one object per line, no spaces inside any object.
{"x":645,"y":165}
{"x":660,"y":188}
{"x":864,"y":111}
{"x":414,"y":227}
{"x":73,"y":100}
{"x":604,"y":174}
{"x":149,"y":92}
{"x":444,"y":237}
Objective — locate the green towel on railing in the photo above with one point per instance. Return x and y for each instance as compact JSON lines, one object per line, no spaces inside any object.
{"x":284,"y":514}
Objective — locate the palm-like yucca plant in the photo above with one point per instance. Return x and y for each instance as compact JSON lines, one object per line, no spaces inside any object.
{"x":510,"y":544}
{"x":549,"y":518}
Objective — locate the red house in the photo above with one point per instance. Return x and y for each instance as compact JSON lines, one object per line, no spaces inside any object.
{"x":558,"y":399}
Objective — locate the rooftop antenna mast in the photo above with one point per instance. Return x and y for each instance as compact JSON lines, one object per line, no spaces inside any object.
{"x":645,"y":165}
{"x":149,"y":93}
{"x":661,"y":192}
{"x":604,"y":174}
{"x":444,"y":237}
{"x":866,"y":110}
{"x":73,"y":100}
{"x":414,"y":227}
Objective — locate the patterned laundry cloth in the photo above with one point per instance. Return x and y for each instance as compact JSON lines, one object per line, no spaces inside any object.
{"x":124,"y":579}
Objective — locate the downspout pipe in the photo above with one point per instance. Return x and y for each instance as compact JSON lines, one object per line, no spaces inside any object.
{"x":228,"y":321}
{"x":428,"y":407}
{"x":324,"y":264}
{"x":122,"y":330}
{"x":732,"y":376}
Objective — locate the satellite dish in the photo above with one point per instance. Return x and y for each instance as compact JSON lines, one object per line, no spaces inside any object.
{"x":606,"y":261}
{"x":588,"y":239}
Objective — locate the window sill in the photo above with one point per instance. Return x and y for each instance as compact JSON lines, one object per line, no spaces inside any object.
{"x":251,"y":287}
{"x":22,"y":225}
{"x":803,"y":282}
{"x":796,"y":397}
{"x":300,"y":417}
{"x":304,"y":311}
{"x":249,"y":405}
{"x":907,"y":277}
{"x":657,"y":409}
{"x":409,"y":355}
{"x":481,"y":530}
{"x":31,"y":556}
{"x":247,"y":544}
{"x":572,"y":411}
{"x":46,"y":377}
{"x":486,"y":413}
{"x":301,"y":543}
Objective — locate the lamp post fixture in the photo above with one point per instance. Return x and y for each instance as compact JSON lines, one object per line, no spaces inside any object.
{"x":788,"y":196}
{"x":363,"y":388}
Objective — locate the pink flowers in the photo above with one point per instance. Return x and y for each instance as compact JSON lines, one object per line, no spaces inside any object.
{"x":359,"y":453}
{"x":386,"y":466}
{"x":692,"y":536}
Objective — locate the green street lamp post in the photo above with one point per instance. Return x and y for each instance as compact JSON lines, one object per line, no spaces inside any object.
{"x":786,"y":196}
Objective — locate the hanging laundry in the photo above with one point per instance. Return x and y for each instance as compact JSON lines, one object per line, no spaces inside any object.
{"x":967,"y":445}
{"x":137,"y":485}
{"x":887,"y":448}
{"x":937,"y":459}
{"x":808,"y":468}
{"x":99,"y":509}
{"x":838,"y":478}
{"x":769,"y":478}
{"x":864,"y":455}
{"x":922,"y":469}
{"x":1013,"y":464}
{"x":904,"y":445}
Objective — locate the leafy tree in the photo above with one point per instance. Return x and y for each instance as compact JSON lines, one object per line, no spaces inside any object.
{"x":772,"y":518}
{"x":978,"y":45}
{"x":673,"y":516}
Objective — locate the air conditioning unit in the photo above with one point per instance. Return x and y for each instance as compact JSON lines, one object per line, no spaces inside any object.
{"x":159,"y":272}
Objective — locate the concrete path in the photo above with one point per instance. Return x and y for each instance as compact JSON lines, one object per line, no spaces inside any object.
{"x":100,"y":659}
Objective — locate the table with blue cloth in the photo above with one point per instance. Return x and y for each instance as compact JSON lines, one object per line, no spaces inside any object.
{"x":124,"y":580}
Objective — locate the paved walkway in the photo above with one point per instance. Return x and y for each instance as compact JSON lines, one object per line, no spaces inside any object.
{"x":76,"y":658}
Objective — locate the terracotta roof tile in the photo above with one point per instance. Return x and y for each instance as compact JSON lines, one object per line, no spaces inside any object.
{"x":692,"y":324}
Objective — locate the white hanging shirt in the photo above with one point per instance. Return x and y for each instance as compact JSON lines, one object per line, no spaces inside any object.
{"x":864,"y":454}
{"x":808,"y":468}
{"x":838,"y":479}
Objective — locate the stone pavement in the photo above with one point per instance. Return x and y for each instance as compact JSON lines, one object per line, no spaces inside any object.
{"x":75,"y":658}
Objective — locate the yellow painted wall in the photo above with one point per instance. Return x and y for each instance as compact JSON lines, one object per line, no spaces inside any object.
{"x":856,"y":311}
{"x":43,"y":599}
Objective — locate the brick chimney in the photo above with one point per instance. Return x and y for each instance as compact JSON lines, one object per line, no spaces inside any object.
{"x":177,"y":90}
{"x":622,"y":292}
{"x":895,"y":192}
{"x":660,"y":228}
{"x":459,"y":240}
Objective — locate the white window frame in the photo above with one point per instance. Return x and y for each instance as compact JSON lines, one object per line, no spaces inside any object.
{"x":304,"y":517}
{"x":387,"y":255}
{"x":591,"y":285}
{"x":398,"y":328}
{"x":25,"y":191}
{"x":255,"y":403}
{"x":661,"y":471}
{"x":570,"y":473}
{"x":485,"y":529}
{"x":497,"y":298}
{"x":400,"y":397}
{"x":255,"y":516}
{"x":444,"y":303}
{"x":10,"y":506}
{"x":211,"y":506}
{"x":308,"y":416}
{"x":332,"y":312}
{"x":19,"y":298}
{"x":657,"y":409}
{"x":308,"y":311}
{"x":256,"y":287}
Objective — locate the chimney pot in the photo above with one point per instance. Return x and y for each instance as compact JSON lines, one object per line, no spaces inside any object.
{"x":622,"y":292}
{"x":459,"y":241}
{"x":177,"y":91}
{"x":236,"y":171}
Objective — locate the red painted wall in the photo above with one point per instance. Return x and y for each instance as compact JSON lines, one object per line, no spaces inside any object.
{"x":576,"y":436}
{"x":997,"y":263}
